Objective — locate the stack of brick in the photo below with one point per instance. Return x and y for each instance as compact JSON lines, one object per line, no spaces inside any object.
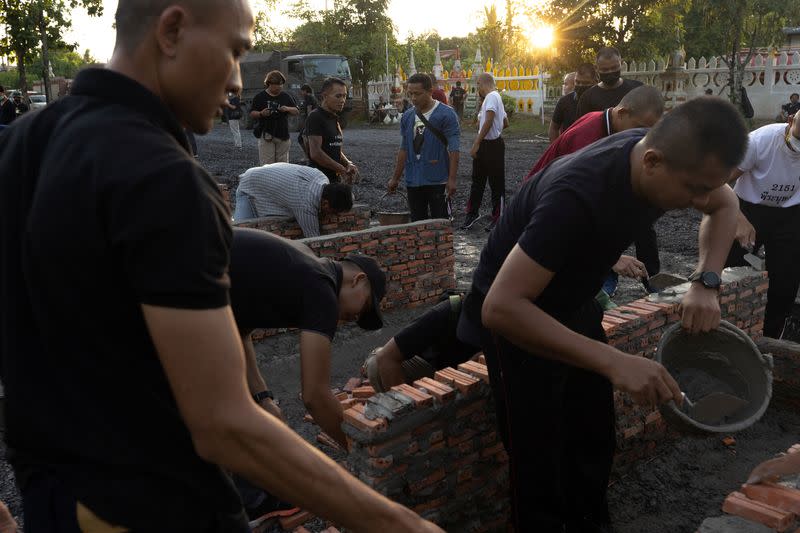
{"x":636,"y":328}
{"x":418,"y":258}
{"x":775,"y":505}
{"x":786,"y":374}
{"x":432,"y":446}
{"x":356,"y":219}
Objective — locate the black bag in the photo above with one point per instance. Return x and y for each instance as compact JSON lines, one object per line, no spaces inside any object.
{"x":258,"y":129}
{"x":433,"y":129}
{"x":235,"y":114}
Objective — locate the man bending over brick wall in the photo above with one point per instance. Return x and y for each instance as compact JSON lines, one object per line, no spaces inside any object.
{"x":279,"y":283}
{"x":287,"y":190}
{"x":533,"y":292}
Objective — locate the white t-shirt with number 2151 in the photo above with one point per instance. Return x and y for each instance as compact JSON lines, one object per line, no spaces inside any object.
{"x":771,"y":169}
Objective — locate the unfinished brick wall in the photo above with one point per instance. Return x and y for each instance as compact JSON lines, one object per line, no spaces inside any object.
{"x":434,"y":447}
{"x":418,"y":258}
{"x":356,"y":219}
{"x":636,"y":328}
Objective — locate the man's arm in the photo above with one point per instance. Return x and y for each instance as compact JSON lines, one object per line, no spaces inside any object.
{"x":399,"y":168}
{"x":255,"y":383}
{"x":554,"y":130}
{"x":308,"y":220}
{"x":201,"y":353}
{"x":700,"y":306}
{"x":452,"y":132}
{"x":291,"y":107}
{"x":745,"y":232}
{"x":256,"y":110}
{"x":315,"y":373}
{"x":509,"y":310}
{"x":319,"y":156}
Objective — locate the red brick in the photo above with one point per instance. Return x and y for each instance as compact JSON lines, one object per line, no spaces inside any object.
{"x":327,"y":440}
{"x":487,"y":452}
{"x":441,"y":392}
{"x":470,"y":409}
{"x":774,"y":495}
{"x":421,"y":398}
{"x":477,"y":369}
{"x":363,"y":392}
{"x":740,"y":505}
{"x":463,"y":382}
{"x":290,"y":522}
{"x":436,"y":475}
{"x":358,"y":420}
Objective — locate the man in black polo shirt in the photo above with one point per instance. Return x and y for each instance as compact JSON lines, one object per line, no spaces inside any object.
{"x":123,"y":370}
{"x":280,"y":283}
{"x":534,"y":288}
{"x":612,"y":86}
{"x":567,"y":105}
{"x":324,"y":134}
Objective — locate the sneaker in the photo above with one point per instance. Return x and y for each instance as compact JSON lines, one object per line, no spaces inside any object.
{"x":270,"y":508}
{"x":470,"y":219}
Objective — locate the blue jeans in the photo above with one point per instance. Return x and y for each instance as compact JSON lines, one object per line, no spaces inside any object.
{"x":610,"y":284}
{"x":245,"y":207}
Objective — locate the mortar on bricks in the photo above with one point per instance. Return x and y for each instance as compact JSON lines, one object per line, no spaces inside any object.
{"x":723,"y":360}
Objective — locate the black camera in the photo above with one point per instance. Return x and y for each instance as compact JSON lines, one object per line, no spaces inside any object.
{"x":273,"y":105}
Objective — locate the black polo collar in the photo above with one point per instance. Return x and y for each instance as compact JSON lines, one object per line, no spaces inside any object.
{"x":114,"y":87}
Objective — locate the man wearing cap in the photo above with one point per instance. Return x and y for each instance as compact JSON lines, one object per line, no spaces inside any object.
{"x":278,"y":283}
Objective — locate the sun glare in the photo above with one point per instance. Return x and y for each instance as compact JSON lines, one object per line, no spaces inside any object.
{"x":542,"y":37}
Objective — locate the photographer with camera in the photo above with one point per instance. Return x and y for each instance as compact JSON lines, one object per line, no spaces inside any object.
{"x":271,"y":109}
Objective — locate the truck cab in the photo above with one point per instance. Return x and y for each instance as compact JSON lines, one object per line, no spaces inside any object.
{"x":299,"y":69}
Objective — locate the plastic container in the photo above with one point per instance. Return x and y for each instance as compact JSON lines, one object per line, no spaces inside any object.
{"x":736,"y":364}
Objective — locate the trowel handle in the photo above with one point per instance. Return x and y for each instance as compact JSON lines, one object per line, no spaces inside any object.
{"x":687,"y":403}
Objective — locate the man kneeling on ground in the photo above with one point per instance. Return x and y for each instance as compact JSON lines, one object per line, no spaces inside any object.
{"x":424,"y":346}
{"x":287,"y":190}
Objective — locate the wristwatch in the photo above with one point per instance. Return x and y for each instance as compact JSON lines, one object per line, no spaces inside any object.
{"x":710,"y":280}
{"x":259,"y":396}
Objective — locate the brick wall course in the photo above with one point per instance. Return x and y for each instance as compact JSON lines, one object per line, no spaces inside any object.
{"x":356,"y":219}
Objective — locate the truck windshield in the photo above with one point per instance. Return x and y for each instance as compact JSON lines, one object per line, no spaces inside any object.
{"x":324,"y":67}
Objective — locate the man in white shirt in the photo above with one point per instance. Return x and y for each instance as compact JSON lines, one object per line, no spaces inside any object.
{"x":488,"y":153}
{"x":768,"y":188}
{"x":287,"y":190}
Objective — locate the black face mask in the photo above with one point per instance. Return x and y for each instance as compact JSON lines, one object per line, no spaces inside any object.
{"x":610,"y":78}
{"x":580,"y":89}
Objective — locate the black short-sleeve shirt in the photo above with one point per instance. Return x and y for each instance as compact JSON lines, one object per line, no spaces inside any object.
{"x":597,"y":98}
{"x":326,"y":125}
{"x":574,"y":218}
{"x":278,"y":283}
{"x":102,"y":209}
{"x":564,"y":113}
{"x":432,"y":336}
{"x":277,"y":123}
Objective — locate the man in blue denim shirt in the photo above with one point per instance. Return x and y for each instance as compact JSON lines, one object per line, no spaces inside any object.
{"x":428,"y":152}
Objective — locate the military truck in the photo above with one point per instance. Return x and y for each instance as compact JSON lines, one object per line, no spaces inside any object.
{"x":299,"y":69}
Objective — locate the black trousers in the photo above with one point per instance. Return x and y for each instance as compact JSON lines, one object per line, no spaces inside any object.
{"x":778,"y":229}
{"x":427,"y":201}
{"x":557,"y":424}
{"x":647,"y":250}
{"x":489,"y":165}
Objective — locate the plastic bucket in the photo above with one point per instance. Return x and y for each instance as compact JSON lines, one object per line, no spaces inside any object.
{"x":723,"y":360}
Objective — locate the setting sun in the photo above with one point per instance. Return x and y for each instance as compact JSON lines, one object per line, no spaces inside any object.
{"x":542,"y":37}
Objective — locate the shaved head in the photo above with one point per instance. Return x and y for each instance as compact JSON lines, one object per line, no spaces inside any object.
{"x":644,"y":100}
{"x":135,"y":17}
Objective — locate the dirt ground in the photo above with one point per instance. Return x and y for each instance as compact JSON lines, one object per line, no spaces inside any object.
{"x":683,"y":483}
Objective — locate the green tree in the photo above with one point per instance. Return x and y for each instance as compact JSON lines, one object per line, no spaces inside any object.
{"x":490,"y":34}
{"x":31,"y":24}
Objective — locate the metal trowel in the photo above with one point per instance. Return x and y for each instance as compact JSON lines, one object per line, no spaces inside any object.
{"x":755,"y":261}
{"x":661,"y":281}
{"x":713,"y":408}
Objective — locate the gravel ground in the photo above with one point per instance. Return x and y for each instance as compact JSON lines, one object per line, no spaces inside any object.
{"x":672,"y":492}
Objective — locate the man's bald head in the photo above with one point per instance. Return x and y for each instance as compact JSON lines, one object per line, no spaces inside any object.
{"x":644,"y":100}
{"x":135,"y":17}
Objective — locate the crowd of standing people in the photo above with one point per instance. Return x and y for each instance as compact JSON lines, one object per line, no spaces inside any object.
{"x":100,"y":244}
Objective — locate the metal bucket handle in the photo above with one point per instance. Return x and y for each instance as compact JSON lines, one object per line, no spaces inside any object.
{"x":387,"y":193}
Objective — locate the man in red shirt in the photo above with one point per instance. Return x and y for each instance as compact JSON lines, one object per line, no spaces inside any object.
{"x":640,"y":108}
{"x":438,"y":93}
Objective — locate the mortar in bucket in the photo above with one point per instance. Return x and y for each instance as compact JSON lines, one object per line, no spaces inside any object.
{"x":725,"y":361}
{"x":389,"y":218}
